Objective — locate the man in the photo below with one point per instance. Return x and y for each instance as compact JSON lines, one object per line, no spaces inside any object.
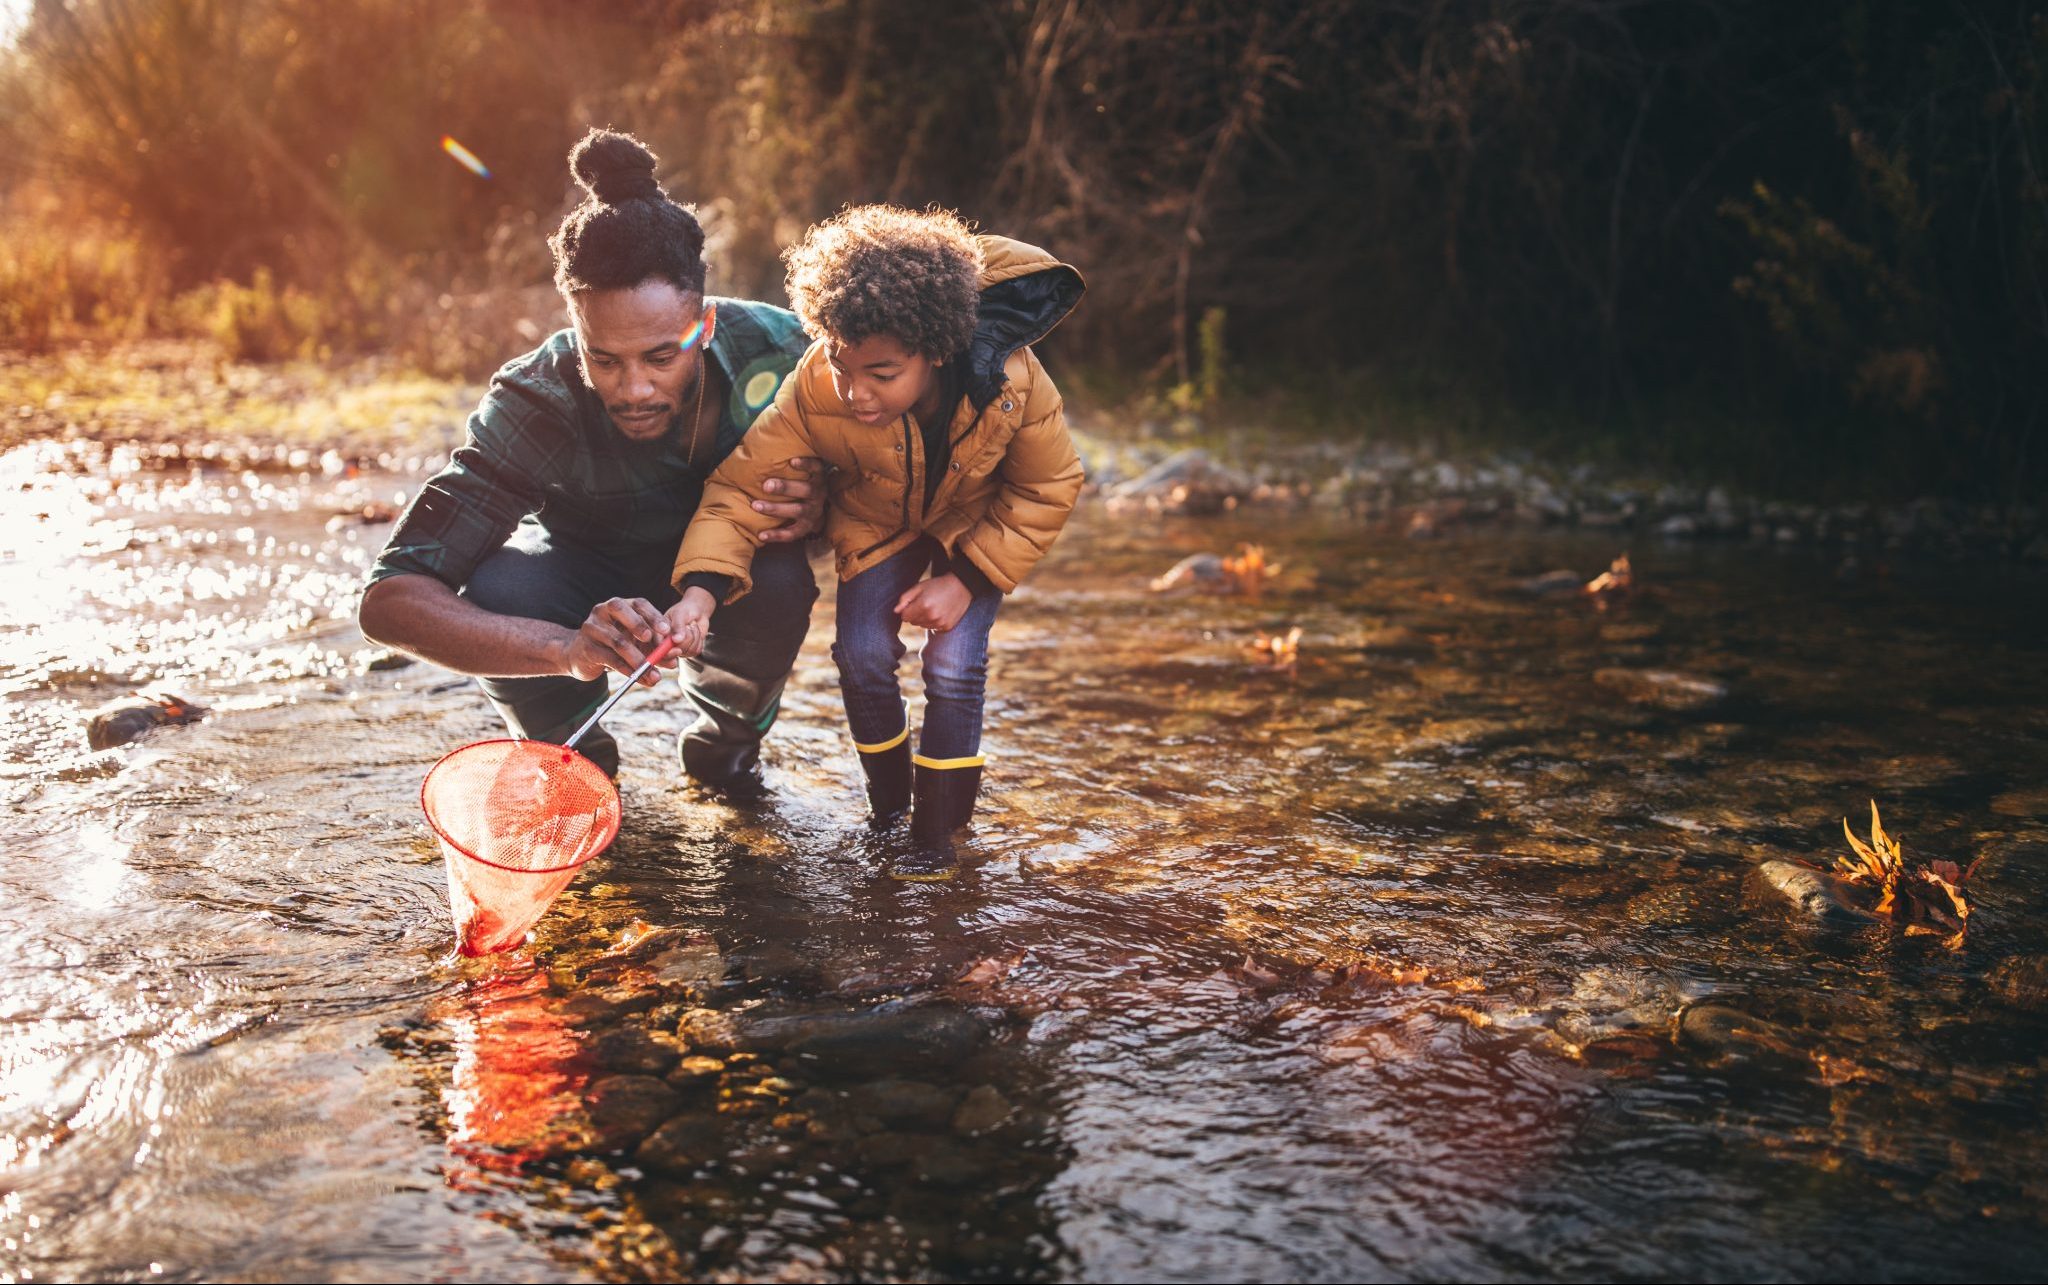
{"x":539,"y":557}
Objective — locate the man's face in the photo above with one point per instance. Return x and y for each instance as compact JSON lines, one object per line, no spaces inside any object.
{"x":641,"y":350}
{"x":878,"y":378}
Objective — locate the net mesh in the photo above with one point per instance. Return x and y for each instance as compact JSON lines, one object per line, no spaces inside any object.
{"x":523,"y":806}
{"x":515,"y":820}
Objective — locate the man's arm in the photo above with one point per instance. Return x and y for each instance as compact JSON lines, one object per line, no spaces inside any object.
{"x":424,"y":617}
{"x":421,"y":616}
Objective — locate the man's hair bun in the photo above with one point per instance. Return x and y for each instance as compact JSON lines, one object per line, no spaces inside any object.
{"x":614,"y":167}
{"x":627,"y":230}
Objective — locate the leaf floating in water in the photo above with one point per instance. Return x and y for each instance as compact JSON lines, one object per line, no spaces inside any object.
{"x":1277,"y":651}
{"x":1931,"y":901}
{"x":1618,"y":581}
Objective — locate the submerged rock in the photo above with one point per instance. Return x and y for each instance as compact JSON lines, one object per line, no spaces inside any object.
{"x":1196,"y":571}
{"x":1729,"y":1033}
{"x":627,"y":1108}
{"x":1815,"y":894}
{"x":132,"y":719}
{"x":683,"y":1144}
{"x":904,"y":1103}
{"x":1665,"y":688}
{"x":632,"y":1051}
{"x":1552,"y":582}
{"x":983,"y":1108}
{"x":871,"y":1042}
{"x":2021,"y":981}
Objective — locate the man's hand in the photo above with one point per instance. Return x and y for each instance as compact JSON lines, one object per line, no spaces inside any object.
{"x":617,"y":635}
{"x":935,"y":604}
{"x":804,"y":505}
{"x":690,"y":621}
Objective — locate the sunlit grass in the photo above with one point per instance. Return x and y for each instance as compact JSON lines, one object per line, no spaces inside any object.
{"x":182,"y":392}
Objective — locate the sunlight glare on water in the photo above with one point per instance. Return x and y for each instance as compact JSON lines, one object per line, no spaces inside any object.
{"x":1441,"y":952}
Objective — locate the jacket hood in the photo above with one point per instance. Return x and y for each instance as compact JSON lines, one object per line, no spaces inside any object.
{"x":1025,"y":292}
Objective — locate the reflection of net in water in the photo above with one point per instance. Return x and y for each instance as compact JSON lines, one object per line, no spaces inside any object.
{"x":515,"y":820}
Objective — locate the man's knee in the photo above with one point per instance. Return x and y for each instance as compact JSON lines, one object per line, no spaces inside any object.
{"x":534,"y":583}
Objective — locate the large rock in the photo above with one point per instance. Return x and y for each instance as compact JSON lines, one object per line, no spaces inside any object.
{"x":1664,"y":688}
{"x":630,"y":1050}
{"x":983,"y":1108}
{"x":684,"y":1144}
{"x":132,"y":719}
{"x":626,"y":1108}
{"x":1730,"y":1034}
{"x":1813,"y":894}
{"x":866,"y":1043}
{"x":904,"y":1103}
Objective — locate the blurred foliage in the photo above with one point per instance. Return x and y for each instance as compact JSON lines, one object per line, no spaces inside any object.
{"x":1818,"y":232}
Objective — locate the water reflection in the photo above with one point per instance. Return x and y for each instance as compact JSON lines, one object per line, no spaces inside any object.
{"x":1441,"y":953}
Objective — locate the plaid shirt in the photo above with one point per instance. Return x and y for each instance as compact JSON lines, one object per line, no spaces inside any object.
{"x":540,"y":448}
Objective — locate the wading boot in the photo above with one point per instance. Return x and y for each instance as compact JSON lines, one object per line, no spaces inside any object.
{"x":887,"y":769}
{"x":945,"y":799}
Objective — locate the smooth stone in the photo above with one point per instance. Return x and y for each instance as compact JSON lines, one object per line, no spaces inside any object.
{"x":1729,"y":1032}
{"x":708,"y":1028}
{"x":684,"y":1144}
{"x":130,"y":720}
{"x":890,"y":1150}
{"x":632,"y":1051}
{"x":983,"y":1108}
{"x":1815,"y":894}
{"x":627,"y":1108}
{"x":871,"y":1042}
{"x":2021,"y":981}
{"x":385,"y":661}
{"x":1553,"y":582}
{"x":904,"y":1103}
{"x":695,"y":1070}
{"x":945,"y":1163}
{"x":697,"y":964}
{"x":1665,"y":688}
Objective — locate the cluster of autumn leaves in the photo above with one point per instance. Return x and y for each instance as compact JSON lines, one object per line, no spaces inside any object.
{"x":1929,"y":900}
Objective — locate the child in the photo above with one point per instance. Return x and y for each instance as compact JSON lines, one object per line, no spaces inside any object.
{"x":950,"y":455}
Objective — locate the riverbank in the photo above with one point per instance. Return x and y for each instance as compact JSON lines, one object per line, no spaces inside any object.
{"x":181,"y":400}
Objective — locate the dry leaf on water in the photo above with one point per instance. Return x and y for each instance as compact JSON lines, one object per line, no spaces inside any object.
{"x":1279,"y":651}
{"x":1935,"y":897}
{"x":1617,"y":581}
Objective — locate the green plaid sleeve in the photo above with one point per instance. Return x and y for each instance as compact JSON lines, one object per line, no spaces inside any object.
{"x":465,"y":512}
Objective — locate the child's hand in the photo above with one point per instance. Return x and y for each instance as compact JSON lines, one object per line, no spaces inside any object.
{"x":690,"y":620}
{"x":935,"y":604}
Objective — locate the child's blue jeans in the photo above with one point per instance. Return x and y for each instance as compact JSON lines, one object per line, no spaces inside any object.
{"x":869,"y":646}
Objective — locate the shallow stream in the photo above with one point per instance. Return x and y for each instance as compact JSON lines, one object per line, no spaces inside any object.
{"x":1438,"y":954}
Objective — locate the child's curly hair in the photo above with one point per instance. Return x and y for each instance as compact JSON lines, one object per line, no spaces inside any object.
{"x":913,"y":275}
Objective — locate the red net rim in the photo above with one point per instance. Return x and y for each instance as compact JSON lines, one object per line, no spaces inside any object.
{"x":449,"y":839}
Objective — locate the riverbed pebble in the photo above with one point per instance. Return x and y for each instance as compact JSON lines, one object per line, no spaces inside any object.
{"x":1814,"y":894}
{"x":627,"y":1108}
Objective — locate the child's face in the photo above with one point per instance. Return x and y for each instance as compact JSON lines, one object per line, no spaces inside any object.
{"x":879,"y":379}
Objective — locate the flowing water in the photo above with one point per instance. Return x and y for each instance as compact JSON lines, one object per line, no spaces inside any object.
{"x":1441,"y":953}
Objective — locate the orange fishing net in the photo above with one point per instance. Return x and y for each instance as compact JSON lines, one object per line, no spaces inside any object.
{"x":515,"y":819}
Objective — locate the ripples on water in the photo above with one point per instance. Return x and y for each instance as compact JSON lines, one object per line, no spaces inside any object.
{"x":1373,"y":968}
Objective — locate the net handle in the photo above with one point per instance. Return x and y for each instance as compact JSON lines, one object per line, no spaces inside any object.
{"x":661,"y":650}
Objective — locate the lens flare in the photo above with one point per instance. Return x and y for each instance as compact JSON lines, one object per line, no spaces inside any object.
{"x":464,"y":157}
{"x":691,"y":334}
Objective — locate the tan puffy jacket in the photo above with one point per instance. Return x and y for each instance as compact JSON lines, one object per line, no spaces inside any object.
{"x":1010,"y":485}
